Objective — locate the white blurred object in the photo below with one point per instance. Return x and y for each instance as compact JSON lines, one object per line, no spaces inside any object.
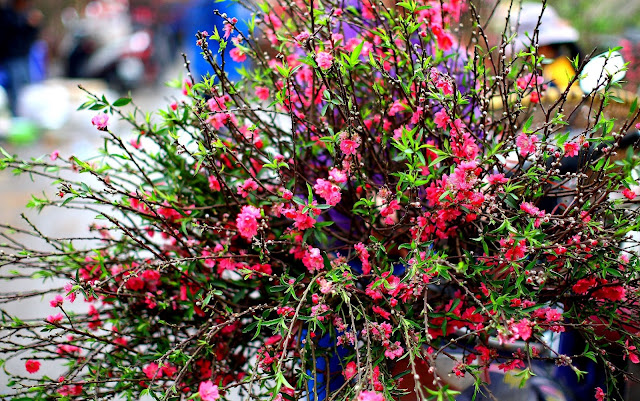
{"x":600,"y":68}
{"x":46,"y":103}
{"x":5,"y":115}
{"x":4,"y":101}
{"x":523,"y":22}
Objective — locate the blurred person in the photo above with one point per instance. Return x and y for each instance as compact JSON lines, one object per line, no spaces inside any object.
{"x":19,"y":27}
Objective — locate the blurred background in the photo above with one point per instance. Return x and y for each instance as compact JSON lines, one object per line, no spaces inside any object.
{"x":48,"y":47}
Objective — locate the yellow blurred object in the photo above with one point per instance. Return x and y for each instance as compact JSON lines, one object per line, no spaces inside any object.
{"x":559,"y":73}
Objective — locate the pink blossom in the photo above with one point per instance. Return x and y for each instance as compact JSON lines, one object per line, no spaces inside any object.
{"x":68,"y":349}
{"x":218,"y":103}
{"x":134,"y":283}
{"x":629,"y":194}
{"x":526,"y":144}
{"x":600,"y":394}
{"x":337,"y":176}
{"x":582,"y":286}
{"x":610,"y":293}
{"x":445,"y":86}
{"x":324,"y":60}
{"x":302,"y":220}
{"x":350,"y":370}
{"x":70,"y":390}
{"x":521,"y":329}
{"x":325,"y":285}
{"x":571,"y":149}
{"x":417,"y":115}
{"x":461,"y":180}
{"x":394,"y":351}
{"x":226,"y":265}
{"x":262,"y":92}
{"x":633,"y":356}
{"x":237,"y":55}
{"x":349,"y":146}
{"x":301,"y":37}
{"x":32,"y":366}
{"x":228,"y":28}
{"x":218,"y":120}
{"x":100,"y":121}
{"x":247,"y":186}
{"x":208,"y":391}
{"x":313,"y":260}
{"x":464,"y":147}
{"x":363,"y":253}
{"x":55,"y":318}
{"x":381,"y":312}
{"x":318,"y":310}
{"x":534,"y":97}
{"x":135,"y":142}
{"x":286,"y":194}
{"x":529,"y":81}
{"x":214,"y":184}
{"x":513,"y":250}
{"x":497,"y":178}
{"x":530,"y":209}
{"x":397,"y":107}
{"x":186,"y":86}
{"x":56,"y":301}
{"x":152,"y":371}
{"x":370,"y":396}
{"x":511,"y":365}
{"x":444,"y":38}
{"x":328,"y":191}
{"x":71,"y":295}
{"x":247,"y":221}
{"x":554,"y":315}
{"x":169,"y":370}
{"x":442,"y":119}
{"x":389,"y":210}
{"x":54,"y":155}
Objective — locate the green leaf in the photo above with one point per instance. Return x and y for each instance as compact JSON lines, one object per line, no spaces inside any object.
{"x":123,"y":101}
{"x":85,"y":166}
{"x":527,"y":125}
{"x":355,"y":55}
{"x":6,"y":154}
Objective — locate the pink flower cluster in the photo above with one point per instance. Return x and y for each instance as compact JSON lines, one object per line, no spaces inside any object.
{"x":247,"y":221}
{"x":324,"y":60}
{"x":208,"y":391}
{"x":328,"y":191}
{"x":313,"y":260}
{"x":249,"y":185}
{"x":526,"y":144}
{"x":100,"y":121}
{"x":363,"y":254}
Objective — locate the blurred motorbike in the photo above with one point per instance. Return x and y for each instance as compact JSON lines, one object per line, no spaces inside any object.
{"x":123,"y":59}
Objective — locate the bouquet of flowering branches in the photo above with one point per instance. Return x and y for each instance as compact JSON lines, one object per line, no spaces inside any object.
{"x":352,"y":211}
